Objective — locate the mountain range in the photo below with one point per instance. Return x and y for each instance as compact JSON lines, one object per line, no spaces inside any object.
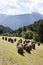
{"x":16,"y":21}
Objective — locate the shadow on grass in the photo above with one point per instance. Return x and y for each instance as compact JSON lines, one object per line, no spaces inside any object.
{"x":28,"y":52}
{"x":22,"y":53}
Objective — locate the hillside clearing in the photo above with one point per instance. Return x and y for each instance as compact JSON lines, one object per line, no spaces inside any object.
{"x":9,"y":55}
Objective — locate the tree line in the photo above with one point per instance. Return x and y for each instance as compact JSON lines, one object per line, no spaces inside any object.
{"x":32,"y":31}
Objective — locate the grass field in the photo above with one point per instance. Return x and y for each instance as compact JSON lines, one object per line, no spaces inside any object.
{"x":9,"y":55}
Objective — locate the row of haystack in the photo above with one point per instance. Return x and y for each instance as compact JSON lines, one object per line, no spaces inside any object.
{"x":27,"y":45}
{"x":9,"y":39}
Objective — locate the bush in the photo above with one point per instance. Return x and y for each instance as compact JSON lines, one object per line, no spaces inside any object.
{"x":5,"y":34}
{"x":36,"y":37}
{"x":19,"y":35}
{"x":29,"y":35}
{"x":24,"y":29}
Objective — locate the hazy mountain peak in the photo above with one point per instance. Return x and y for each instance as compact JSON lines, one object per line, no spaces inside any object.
{"x":16,"y":21}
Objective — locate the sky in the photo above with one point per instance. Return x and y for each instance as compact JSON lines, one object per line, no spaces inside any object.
{"x":14,"y":7}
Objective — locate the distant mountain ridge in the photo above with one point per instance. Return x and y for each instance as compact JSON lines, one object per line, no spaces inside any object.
{"x":16,"y":21}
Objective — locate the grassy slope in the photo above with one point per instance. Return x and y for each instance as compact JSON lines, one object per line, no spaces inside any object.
{"x":9,"y":55}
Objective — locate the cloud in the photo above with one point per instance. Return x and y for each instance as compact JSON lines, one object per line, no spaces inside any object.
{"x":14,"y":7}
{"x":24,"y":0}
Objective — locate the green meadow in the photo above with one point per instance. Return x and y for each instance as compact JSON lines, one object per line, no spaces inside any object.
{"x":10,"y":56}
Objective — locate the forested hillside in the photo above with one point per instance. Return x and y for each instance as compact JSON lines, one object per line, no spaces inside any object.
{"x":33,"y":31}
{"x":5,"y":29}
